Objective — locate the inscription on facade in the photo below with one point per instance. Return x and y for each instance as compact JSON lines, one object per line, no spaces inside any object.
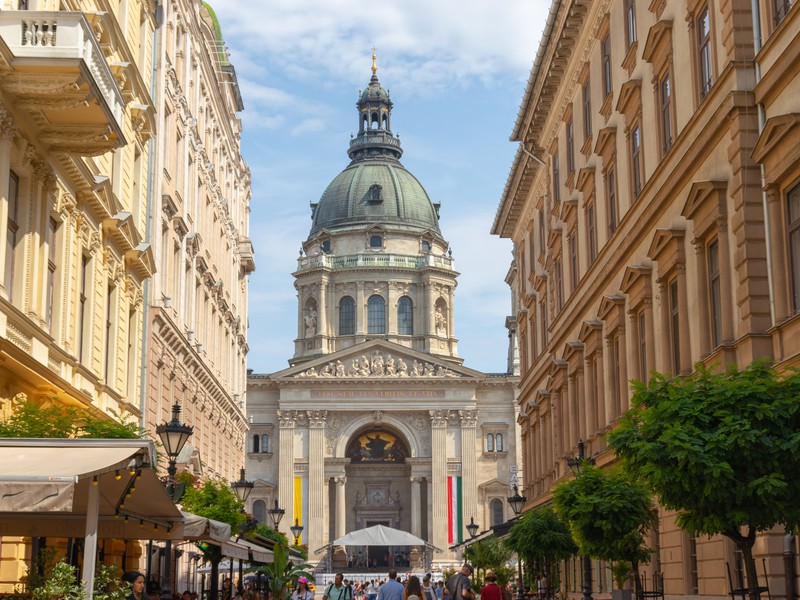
{"x":377,"y":393}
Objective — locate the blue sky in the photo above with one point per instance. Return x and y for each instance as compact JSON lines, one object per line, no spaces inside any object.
{"x":456,"y":70}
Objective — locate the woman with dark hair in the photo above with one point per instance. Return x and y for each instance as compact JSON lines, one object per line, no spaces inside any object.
{"x":491,"y":591}
{"x":413,"y":589}
{"x":136,"y":581}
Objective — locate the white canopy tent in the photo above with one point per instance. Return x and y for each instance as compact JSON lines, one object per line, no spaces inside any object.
{"x":379,"y":535}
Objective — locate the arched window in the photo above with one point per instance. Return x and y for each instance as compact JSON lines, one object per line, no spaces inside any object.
{"x":376,"y":315}
{"x":260,"y":511}
{"x":347,"y":316}
{"x":498,"y":442}
{"x":405,"y":316}
{"x":496,"y":512}
{"x":264,"y":443}
{"x":256,"y":444}
{"x":489,"y":442}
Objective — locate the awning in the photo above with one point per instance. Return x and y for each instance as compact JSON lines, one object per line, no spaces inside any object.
{"x":197,"y":528}
{"x":257,"y":553}
{"x":379,"y":535}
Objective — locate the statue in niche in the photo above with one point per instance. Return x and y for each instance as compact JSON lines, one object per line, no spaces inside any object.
{"x":441,"y":321}
{"x":311,"y":323}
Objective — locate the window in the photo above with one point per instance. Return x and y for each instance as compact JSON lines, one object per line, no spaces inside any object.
{"x":674,"y":316}
{"x":630,"y":22}
{"x":107,"y":363}
{"x":375,"y":241}
{"x":572,"y":242}
{"x":591,"y":232}
{"x":606,"y":50}
{"x":256,"y":443}
{"x":52,"y":226}
{"x":498,"y":442}
{"x":405,"y":316}
{"x":496,"y":512}
{"x":615,"y":374}
{"x":558,"y":282}
{"x":264,"y":443}
{"x":347,"y":316}
{"x":541,"y":230}
{"x":781,"y":9}
{"x":703,"y":25}
{"x":426,"y":246}
{"x":794,"y":244}
{"x":642,"y":343}
{"x":611,"y":194}
{"x":260,"y":511}
{"x":556,"y":180}
{"x":12,"y":228}
{"x":326,"y":246}
{"x":490,"y":442}
{"x":587,"y":110}
{"x":693,"y":580}
{"x":636,"y":160}
{"x":83,"y":307}
{"x":665,"y":100}
{"x":376,"y":315}
{"x":714,"y":292}
{"x":375,"y":194}
{"x":543,"y":321}
{"x":570,"y":146}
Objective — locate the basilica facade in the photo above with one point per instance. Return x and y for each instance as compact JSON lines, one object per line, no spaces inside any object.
{"x":377,"y":421}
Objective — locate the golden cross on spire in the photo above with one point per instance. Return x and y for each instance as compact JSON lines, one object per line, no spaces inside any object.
{"x":374,"y":58}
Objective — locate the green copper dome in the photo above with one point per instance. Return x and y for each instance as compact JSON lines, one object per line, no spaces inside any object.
{"x":375,"y":188}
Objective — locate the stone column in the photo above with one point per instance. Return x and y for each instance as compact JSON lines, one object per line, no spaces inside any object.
{"x":326,"y":519}
{"x":438,"y":482}
{"x":322,"y":312}
{"x":6,"y":133}
{"x":392,"y":296}
{"x":361,"y":309}
{"x":469,"y":469}
{"x":286,"y":468}
{"x":416,"y":508}
{"x":314,"y":529}
{"x":341,"y":509}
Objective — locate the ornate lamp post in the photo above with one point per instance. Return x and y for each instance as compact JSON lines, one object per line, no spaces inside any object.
{"x":242,"y":489}
{"x":472,"y":528}
{"x":575,"y":465}
{"x":517,"y":502}
{"x":296,"y":530}
{"x":173,"y":436}
{"x":276,"y":514}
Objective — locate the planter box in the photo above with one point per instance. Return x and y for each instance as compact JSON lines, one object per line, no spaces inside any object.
{"x":621,"y":594}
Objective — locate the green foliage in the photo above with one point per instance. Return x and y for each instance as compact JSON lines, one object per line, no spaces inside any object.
{"x":214,"y":500}
{"x":721,"y":449}
{"x":489,"y":554}
{"x":271,"y":534}
{"x":620,"y":570}
{"x":53,"y":420}
{"x":542,"y":539}
{"x":282,"y":571}
{"x":61,"y":582}
{"x":108,"y":584}
{"x":41,"y":566}
{"x":609,"y":515}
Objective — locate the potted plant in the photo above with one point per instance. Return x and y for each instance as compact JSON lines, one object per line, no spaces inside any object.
{"x":621,"y":571}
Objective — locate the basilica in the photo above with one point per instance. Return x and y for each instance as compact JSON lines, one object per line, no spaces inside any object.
{"x":377,"y":421}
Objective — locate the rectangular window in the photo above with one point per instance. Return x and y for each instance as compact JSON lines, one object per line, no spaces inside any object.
{"x":615,"y":373}
{"x":703,"y":25}
{"x":636,"y":160}
{"x":674,"y":316}
{"x":693,"y":578}
{"x":542,"y":241}
{"x":665,"y":98}
{"x":781,"y":9}
{"x":543,"y":321}
{"x":642,"y":342}
{"x":556,"y":179}
{"x":573,"y":258}
{"x":793,"y":201}
{"x":570,"y":146}
{"x":587,"y":110}
{"x":591,"y":232}
{"x":558,"y":277}
{"x":714,"y":293}
{"x":12,"y":228}
{"x":52,"y":226}
{"x":611,"y":194}
{"x":630,"y":22}
{"x":109,"y":353}
{"x":83,"y":317}
{"x":606,"y":50}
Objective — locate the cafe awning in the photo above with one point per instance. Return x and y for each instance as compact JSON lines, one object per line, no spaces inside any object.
{"x":197,"y":528}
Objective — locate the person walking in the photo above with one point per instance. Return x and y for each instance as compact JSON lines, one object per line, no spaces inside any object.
{"x":338,"y":590}
{"x":392,"y":589}
{"x":491,"y":591}
{"x":136,"y":580}
{"x":458,"y":586}
{"x":301,"y":591}
{"x":428,"y":591}
{"x":413,"y":589}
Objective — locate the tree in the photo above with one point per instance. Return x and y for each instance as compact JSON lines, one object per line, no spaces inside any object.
{"x":30,"y":419}
{"x":213,"y":500}
{"x":490,"y":554}
{"x":281,"y":571}
{"x":609,"y":515}
{"x":542,"y":539}
{"x":721,"y":449}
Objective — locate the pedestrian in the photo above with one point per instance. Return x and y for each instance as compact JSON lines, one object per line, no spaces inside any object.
{"x":413,"y":589}
{"x":439,"y":589}
{"x":301,"y":591}
{"x":458,"y":586}
{"x":428,"y":592}
{"x":338,"y":590}
{"x":392,"y":589}
{"x":136,"y":580}
{"x":372,"y":590}
{"x":491,"y":591}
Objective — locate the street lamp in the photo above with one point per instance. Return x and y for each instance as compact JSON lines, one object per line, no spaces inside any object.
{"x":296,"y":530}
{"x":242,"y":488}
{"x":517,"y":502}
{"x":276,"y":514}
{"x":472,"y":528}
{"x":575,"y":465}
{"x":173,"y":437}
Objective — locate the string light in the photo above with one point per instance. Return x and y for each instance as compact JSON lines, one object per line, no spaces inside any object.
{"x":117,"y":476}
{"x":139,"y":474}
{"x":94,"y":480}
{"x":126,"y":518}
{"x":141,"y":523}
{"x":133,"y":472}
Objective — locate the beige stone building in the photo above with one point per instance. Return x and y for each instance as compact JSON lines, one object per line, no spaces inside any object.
{"x":655,"y":211}
{"x":76,"y":124}
{"x":197,"y":302}
{"x":376,"y":421}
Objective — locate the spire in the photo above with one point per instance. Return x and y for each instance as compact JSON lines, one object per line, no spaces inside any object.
{"x":374,"y":59}
{"x":375,"y":138}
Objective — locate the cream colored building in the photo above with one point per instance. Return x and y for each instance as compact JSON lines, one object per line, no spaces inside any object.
{"x":377,"y":421}
{"x":197,"y":301}
{"x":653,"y":204}
{"x":76,"y":123}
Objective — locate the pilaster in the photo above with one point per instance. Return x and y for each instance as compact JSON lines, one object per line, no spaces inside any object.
{"x":439,"y":477}
{"x":286,"y":421}
{"x":316,"y":473}
{"x":469,"y":470}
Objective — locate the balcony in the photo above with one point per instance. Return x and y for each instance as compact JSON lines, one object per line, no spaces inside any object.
{"x":246,"y":257}
{"x":59,"y":76}
{"x":369,"y":260}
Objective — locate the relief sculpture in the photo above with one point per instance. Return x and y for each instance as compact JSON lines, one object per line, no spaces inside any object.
{"x":378,"y":364}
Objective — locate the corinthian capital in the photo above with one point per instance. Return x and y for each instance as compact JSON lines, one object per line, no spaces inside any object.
{"x":317,"y":418}
{"x":438,"y":417}
{"x":285,"y":418}
{"x":469,"y":417}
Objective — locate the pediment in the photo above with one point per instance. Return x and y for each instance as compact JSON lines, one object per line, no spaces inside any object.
{"x":775,"y":130}
{"x":493,"y":484}
{"x":632,"y":275}
{"x":377,"y":360}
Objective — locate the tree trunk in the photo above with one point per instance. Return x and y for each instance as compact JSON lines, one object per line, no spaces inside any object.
{"x":750,"y":568}
{"x":637,"y":578}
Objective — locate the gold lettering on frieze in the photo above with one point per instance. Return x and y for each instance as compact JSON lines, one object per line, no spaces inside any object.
{"x":377,"y":393}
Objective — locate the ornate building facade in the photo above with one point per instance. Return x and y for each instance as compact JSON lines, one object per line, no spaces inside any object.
{"x":377,"y":421}
{"x":76,"y":123}
{"x":653,"y":205}
{"x":197,"y":303}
